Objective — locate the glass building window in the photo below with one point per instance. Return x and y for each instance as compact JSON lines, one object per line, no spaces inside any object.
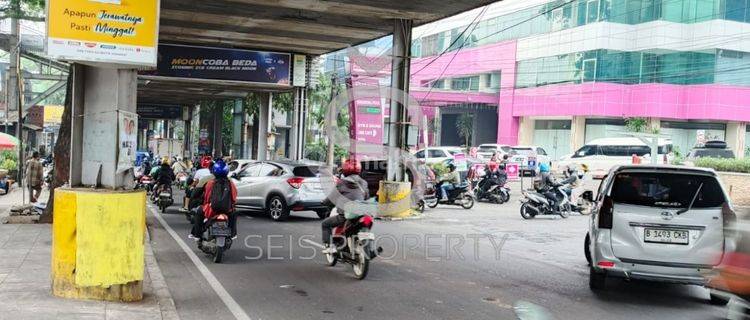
{"x":465,"y":84}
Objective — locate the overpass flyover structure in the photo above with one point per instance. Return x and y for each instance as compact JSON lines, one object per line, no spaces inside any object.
{"x":298,"y":27}
{"x":105,"y":96}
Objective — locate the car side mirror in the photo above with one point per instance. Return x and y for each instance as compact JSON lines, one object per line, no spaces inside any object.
{"x":234,"y":175}
{"x":588,"y":196}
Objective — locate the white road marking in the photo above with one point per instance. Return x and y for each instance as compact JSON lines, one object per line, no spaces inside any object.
{"x":313,"y":243}
{"x":231,"y":304}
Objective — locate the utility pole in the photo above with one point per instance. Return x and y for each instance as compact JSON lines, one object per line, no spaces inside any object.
{"x":331,"y":113}
{"x":14,"y":87}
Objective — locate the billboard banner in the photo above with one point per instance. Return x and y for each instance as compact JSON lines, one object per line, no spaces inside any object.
{"x":149,"y":111}
{"x":223,"y":64}
{"x":123,"y":32}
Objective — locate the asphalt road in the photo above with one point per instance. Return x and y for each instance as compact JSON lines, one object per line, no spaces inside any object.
{"x":450,"y":264}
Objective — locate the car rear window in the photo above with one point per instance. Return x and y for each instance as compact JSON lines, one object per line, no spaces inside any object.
{"x":488,"y":148}
{"x":523,"y":151}
{"x":306,"y":171}
{"x":667,"y":190}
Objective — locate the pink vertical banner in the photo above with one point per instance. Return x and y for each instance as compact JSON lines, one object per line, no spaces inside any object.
{"x":511,"y":169}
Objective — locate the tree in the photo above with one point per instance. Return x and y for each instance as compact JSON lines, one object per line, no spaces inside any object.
{"x":465,"y":127}
{"x":61,"y":168}
{"x":31,"y":10}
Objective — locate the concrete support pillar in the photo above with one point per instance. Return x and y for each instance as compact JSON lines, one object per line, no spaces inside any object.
{"x":106,"y":92}
{"x":217,"y":121}
{"x":577,"y":133}
{"x":298,"y":124}
{"x":264,"y":126}
{"x":526,"y":131}
{"x":238,"y":123}
{"x":83,"y":266}
{"x":735,"y":138}
{"x":400,"y":73}
{"x":653,"y":125}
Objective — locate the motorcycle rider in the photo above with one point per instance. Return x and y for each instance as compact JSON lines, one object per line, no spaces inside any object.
{"x":204,"y":170}
{"x":353,"y":188}
{"x":449,"y":181}
{"x":220,"y":170}
{"x":547,"y":185}
{"x":164,"y":177}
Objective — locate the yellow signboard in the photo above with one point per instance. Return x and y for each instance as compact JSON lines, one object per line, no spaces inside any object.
{"x":103,"y":31}
{"x":53,"y":114}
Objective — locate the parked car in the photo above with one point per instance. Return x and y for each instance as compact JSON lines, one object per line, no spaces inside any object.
{"x":235,"y":166}
{"x":711,"y":149}
{"x":658,"y":223}
{"x":434,"y":155}
{"x":487,"y":150}
{"x":279,"y":187}
{"x":374,"y":171}
{"x":528,"y":159}
{"x":600,"y":155}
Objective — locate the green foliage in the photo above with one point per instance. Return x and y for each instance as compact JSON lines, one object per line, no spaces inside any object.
{"x":636,"y":124}
{"x":8,"y":160}
{"x":727,"y":165}
{"x":439,"y":169}
{"x":283,"y":101}
{"x":318,"y":150}
{"x":8,"y":164}
{"x":465,"y":126}
{"x":32,"y":10}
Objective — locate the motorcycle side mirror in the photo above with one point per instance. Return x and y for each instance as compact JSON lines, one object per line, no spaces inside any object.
{"x":588,"y":195}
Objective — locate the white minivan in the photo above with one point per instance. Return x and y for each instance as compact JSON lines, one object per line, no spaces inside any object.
{"x":658,"y":223}
{"x":600,"y":155}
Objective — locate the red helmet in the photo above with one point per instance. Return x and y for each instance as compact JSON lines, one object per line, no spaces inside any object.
{"x":205,"y":162}
{"x":350,"y":167}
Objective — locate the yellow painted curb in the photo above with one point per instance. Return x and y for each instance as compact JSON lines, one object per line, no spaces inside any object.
{"x":98,"y":244}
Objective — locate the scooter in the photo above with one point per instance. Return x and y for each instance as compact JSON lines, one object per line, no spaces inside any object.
{"x":217,"y":237}
{"x":490,"y":189}
{"x":146,"y":183}
{"x":535,"y":203}
{"x":354,"y":243}
{"x":181,"y":180}
{"x":164,"y":199}
{"x":459,"y":196}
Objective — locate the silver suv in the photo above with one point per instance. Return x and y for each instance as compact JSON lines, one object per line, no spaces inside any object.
{"x":278,"y":188}
{"x":658,"y":223}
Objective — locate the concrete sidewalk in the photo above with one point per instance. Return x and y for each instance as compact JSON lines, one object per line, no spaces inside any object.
{"x":25,"y":291}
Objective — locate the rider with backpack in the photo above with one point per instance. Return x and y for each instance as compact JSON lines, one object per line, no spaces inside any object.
{"x":219,"y":196}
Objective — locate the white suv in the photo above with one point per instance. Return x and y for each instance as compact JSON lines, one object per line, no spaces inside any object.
{"x":658,"y":223}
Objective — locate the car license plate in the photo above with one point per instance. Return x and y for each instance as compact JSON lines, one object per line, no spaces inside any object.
{"x":665,"y":236}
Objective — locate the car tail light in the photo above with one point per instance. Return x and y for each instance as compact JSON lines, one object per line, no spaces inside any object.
{"x":295,"y":182}
{"x":606,"y":264}
{"x":366,"y":221}
{"x":222,"y":217}
{"x":606,"y":213}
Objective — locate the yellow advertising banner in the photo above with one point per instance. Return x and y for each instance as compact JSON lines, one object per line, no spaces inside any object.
{"x":103,"y":31}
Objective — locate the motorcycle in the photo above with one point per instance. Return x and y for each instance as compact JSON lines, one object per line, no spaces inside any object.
{"x":354,"y":242}
{"x":181,"y":180}
{"x":429,"y":196}
{"x":489,"y":188}
{"x":217,"y":237}
{"x":146,"y":183}
{"x":535,"y":203}
{"x":164,"y":199}
{"x":459,"y":196}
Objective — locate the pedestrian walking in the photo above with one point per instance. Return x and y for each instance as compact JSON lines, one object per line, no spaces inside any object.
{"x":34,"y":177}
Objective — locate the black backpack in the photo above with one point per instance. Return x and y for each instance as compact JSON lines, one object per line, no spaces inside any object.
{"x":221,"y":196}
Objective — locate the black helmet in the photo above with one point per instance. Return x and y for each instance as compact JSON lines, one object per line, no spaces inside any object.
{"x":451,"y":166}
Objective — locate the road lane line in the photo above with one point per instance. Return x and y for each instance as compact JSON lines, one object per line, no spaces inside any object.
{"x":231,"y":304}
{"x":313,"y":243}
